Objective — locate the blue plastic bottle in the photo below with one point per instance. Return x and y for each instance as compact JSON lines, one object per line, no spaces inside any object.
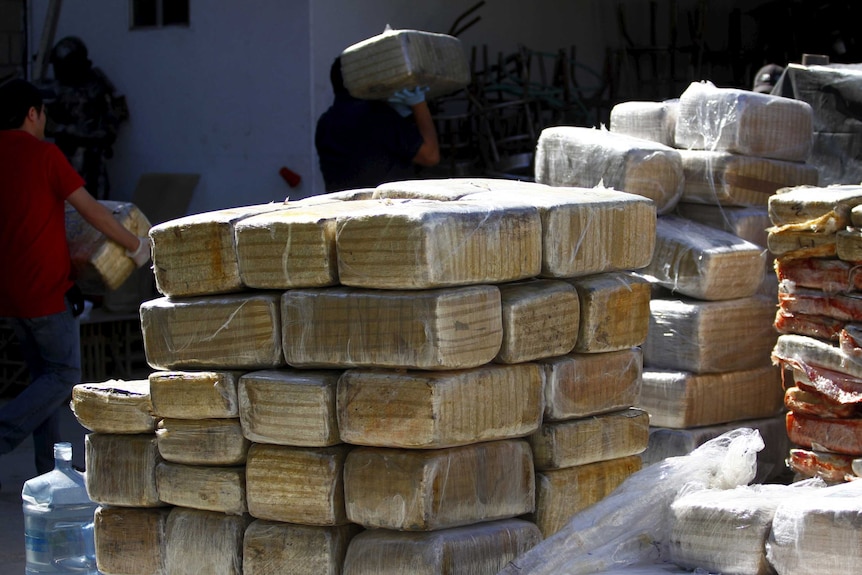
{"x":58,"y":520}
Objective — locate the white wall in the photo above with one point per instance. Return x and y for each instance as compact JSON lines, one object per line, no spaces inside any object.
{"x":237,"y":95}
{"x":227,"y":98}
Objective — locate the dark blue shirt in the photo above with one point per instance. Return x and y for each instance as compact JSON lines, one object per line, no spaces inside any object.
{"x":363,"y":143}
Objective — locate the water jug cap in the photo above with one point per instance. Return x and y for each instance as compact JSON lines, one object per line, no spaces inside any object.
{"x":63,"y":451}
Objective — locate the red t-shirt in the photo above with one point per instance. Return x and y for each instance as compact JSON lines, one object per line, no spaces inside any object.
{"x":35,"y":180}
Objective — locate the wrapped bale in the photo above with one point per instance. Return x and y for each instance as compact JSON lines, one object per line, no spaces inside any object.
{"x":826,"y":275}
{"x":576,"y":240}
{"x":483,"y":548}
{"x":679,"y":399}
{"x":196,"y":255}
{"x":99,"y":264}
{"x":130,"y":541}
{"x":805,"y":400}
{"x":582,"y":384}
{"x":827,"y":369}
{"x":381,"y":65}
{"x":271,"y":547}
{"x":726,"y":179}
{"x":749,"y":223}
{"x":215,"y":332}
{"x":427,"y":244}
{"x":812,"y":206}
{"x":294,"y":247}
{"x":288,"y":407}
{"x":121,"y":469}
{"x":450,"y":328}
{"x":599,"y":438}
{"x":667,"y":442}
{"x":848,"y":245}
{"x":296,"y":484}
{"x":704,"y":262}
{"x":820,"y":534}
{"x":195,"y":394}
{"x":614,"y":312}
{"x":830,"y":467}
{"x":540,"y":319}
{"x":414,"y":409}
{"x":561,"y":493}
{"x":588,"y":157}
{"x":204,"y":542}
{"x":743,"y":122}
{"x":114,"y":406}
{"x":654,"y":121}
{"x":836,"y":435}
{"x":725,"y":531}
{"x":710,"y":336}
{"x":202,"y":487}
{"x":428,"y":490}
{"x":202,"y":441}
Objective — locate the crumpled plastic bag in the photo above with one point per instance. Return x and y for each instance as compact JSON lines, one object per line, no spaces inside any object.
{"x":631,"y":525}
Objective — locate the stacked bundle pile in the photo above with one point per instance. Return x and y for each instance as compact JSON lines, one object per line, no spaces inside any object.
{"x":816,"y":239}
{"x":736,"y":149}
{"x":351,"y":362}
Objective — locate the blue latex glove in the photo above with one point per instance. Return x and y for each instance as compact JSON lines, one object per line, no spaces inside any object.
{"x":404,"y":100}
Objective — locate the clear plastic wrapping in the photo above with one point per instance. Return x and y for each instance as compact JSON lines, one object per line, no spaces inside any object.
{"x":114,"y":406}
{"x":811,"y":207}
{"x":833,"y":435}
{"x":743,"y":122}
{"x":680,"y":399}
{"x":710,"y":336}
{"x":540,"y":320}
{"x":749,"y":223}
{"x":195,"y":394}
{"x":591,"y":439}
{"x":427,"y":490}
{"x":196,"y":255}
{"x":450,"y":328}
{"x":379,"y":66}
{"x":213,"y":332}
{"x":668,"y":442}
{"x":588,"y":157}
{"x":723,"y":178}
{"x":726,"y":530}
{"x":271,"y":547}
{"x":431,"y":410}
{"x":202,"y":441}
{"x":302,"y":485}
{"x":202,"y":487}
{"x":289,"y":407}
{"x":121,"y":469}
{"x":631,"y":525}
{"x":130,"y":541}
{"x":561,"y":493}
{"x":827,"y":368}
{"x":428,"y":244}
{"x":582,"y":384}
{"x":704,"y":262}
{"x":293,"y":247}
{"x":482,"y":548}
{"x":819,"y":534}
{"x":100,"y":265}
{"x":614,"y":311}
{"x":204,"y":542}
{"x":654,"y":121}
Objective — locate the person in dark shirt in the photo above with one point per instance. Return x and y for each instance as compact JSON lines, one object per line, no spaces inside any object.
{"x":363,"y":143}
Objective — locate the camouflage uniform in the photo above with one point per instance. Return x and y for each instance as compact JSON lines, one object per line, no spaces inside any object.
{"x":84,"y":115}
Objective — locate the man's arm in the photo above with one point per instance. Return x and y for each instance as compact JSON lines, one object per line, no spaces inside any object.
{"x":429,"y":153}
{"x":102,"y":219}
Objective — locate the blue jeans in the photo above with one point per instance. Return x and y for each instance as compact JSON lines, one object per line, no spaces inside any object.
{"x":51,"y":346}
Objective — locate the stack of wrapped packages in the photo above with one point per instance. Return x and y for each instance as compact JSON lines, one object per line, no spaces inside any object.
{"x":710,"y":160}
{"x":817,"y":243}
{"x":429,"y":374}
{"x":701,"y":512}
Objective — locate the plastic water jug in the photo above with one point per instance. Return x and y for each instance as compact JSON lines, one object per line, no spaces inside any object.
{"x":58,"y":520}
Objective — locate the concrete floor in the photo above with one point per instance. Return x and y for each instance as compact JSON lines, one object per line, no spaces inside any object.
{"x":16,"y":468}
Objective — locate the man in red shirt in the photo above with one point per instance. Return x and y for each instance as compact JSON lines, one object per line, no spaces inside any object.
{"x":36,"y":181}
